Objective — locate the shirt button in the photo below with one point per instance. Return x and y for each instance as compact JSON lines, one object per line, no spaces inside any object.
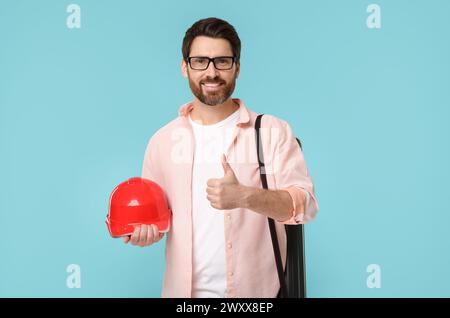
{"x":230,"y":273}
{"x":229,"y":245}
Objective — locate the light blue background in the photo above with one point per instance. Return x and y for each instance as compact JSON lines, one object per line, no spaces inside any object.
{"x":77,"y":107}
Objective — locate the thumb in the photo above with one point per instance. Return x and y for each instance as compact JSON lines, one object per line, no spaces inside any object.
{"x":226,"y":166}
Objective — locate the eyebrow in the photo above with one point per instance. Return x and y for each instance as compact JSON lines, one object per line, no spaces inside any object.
{"x":204,"y":55}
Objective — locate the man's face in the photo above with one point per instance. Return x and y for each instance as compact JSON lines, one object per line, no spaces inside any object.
{"x":211,"y":86}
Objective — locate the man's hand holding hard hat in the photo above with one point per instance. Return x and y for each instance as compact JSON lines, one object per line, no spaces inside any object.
{"x":138,"y":212}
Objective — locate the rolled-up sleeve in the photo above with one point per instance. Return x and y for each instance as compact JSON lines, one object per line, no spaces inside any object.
{"x":291,"y":174}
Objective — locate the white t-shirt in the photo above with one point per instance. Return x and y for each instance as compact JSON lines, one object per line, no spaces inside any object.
{"x":209,"y":265}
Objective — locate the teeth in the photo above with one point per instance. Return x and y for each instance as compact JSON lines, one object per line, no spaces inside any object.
{"x":211,"y":85}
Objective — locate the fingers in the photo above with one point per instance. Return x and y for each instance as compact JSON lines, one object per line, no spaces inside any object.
{"x":126,"y":239}
{"x":135,"y":235}
{"x":211,"y":198}
{"x":144,"y":235}
{"x":156,"y":235}
{"x":212,"y":191}
{"x":149,"y":239}
{"x":225,"y":165}
{"x":213,"y":182}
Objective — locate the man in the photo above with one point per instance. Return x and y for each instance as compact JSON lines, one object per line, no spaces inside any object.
{"x":219,"y":243}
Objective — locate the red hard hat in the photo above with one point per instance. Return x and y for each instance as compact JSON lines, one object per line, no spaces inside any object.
{"x":134,"y":202}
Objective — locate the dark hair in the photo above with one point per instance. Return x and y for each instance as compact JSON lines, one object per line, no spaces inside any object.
{"x":213,"y":28}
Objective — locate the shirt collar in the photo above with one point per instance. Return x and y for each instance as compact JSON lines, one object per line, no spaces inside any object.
{"x":244,"y":116}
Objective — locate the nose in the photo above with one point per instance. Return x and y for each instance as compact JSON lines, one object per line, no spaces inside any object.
{"x":211,"y":71}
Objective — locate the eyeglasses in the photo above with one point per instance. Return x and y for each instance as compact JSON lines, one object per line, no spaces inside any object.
{"x":201,"y":63}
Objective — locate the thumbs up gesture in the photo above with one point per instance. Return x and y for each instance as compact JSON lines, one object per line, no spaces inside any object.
{"x":224,"y":193}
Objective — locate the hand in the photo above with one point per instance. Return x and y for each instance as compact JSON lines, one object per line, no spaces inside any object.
{"x":144,"y":235}
{"x":225,"y":193}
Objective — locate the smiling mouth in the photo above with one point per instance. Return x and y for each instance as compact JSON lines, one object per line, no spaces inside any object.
{"x":211,"y":86}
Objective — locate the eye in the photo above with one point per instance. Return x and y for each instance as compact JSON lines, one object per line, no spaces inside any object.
{"x":199,"y":60}
{"x":222,"y":60}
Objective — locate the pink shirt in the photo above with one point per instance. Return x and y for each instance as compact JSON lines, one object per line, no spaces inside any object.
{"x":250,"y":262}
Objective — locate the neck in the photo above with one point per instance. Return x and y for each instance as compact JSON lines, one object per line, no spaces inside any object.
{"x":209,"y":115}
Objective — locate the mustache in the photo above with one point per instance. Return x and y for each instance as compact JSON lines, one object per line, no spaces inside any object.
{"x":215,"y":80}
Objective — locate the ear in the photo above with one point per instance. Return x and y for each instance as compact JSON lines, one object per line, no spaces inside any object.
{"x":184,"y":68}
{"x":238,"y":69}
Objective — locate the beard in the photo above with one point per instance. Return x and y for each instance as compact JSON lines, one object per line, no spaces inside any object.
{"x":213,"y":98}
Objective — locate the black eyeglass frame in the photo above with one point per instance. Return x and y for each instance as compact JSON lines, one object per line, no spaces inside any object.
{"x":213,"y":59}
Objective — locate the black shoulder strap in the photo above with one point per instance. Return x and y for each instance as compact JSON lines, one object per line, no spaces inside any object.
{"x":273,"y":233}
